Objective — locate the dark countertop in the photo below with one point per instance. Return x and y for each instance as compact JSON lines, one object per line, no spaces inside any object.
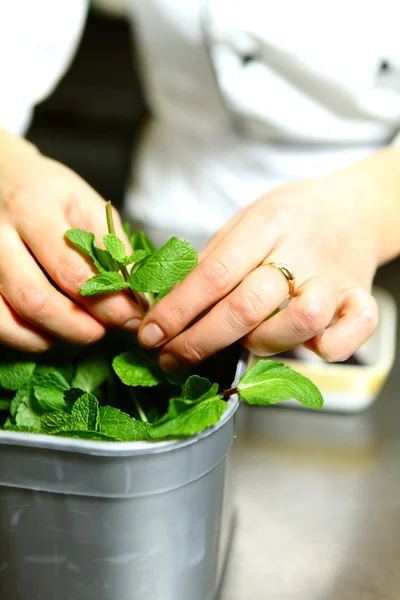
{"x":318,"y":498}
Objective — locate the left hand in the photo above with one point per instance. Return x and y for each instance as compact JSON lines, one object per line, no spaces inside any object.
{"x":325,"y":231}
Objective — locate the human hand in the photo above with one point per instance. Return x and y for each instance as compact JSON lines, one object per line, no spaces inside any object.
{"x":39,"y":200}
{"x":326,"y":230}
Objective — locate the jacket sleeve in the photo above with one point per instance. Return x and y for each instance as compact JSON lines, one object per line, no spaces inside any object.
{"x":38,"y":39}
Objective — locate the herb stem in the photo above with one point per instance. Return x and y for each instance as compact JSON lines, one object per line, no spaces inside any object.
{"x":224,"y":395}
{"x":142,"y":414}
{"x":110,"y":220}
{"x":150,"y":299}
{"x":124,"y":270}
{"x":228,"y":393}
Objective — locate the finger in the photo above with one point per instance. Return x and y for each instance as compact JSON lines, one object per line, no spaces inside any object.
{"x":18,"y":334}
{"x":259,"y":294}
{"x":215,"y":277}
{"x":222,"y":233}
{"x":36,"y":301}
{"x":357,"y":320}
{"x":69,"y":269}
{"x":307,"y":314}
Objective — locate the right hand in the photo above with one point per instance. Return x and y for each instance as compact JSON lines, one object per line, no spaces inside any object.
{"x":39,"y":200}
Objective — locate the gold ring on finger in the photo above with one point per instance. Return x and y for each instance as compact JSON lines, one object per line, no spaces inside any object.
{"x":286,"y":272}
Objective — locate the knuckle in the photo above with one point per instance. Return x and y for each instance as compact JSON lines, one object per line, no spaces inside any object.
{"x":109,"y":311}
{"x":33,"y":305}
{"x":176,"y":316}
{"x":14,"y":198}
{"x":191,"y":352}
{"x":247,"y":311}
{"x":70,"y":274}
{"x":310,"y":318}
{"x":216,"y":276}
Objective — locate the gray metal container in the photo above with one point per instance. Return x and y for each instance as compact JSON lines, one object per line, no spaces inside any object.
{"x":83,"y":520}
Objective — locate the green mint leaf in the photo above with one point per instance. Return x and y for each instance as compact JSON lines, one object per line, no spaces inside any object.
{"x":26,"y":417}
{"x":179,"y":378}
{"x":10,"y":426}
{"x":106,"y":260}
{"x":13,"y":375}
{"x":269,"y":382}
{"x":50,"y":400}
{"x":120,"y":426}
{"x":176,"y":406}
{"x":49,"y":386}
{"x":211,"y":393}
{"x":104,"y":282}
{"x":140,"y":241}
{"x":135,"y":371}
{"x":84,"y":241}
{"x":115,"y":246}
{"x":91,"y":373}
{"x":20,"y":396}
{"x":196,"y":419}
{"x":85,"y":413}
{"x":195,"y":387}
{"x":5,"y":403}
{"x":84,"y":418}
{"x":135,"y":257}
{"x":165,"y":267}
{"x":54,"y":422}
{"x":28,"y":414}
{"x":86,"y":435}
{"x":72,"y":395}
{"x":50,"y":378}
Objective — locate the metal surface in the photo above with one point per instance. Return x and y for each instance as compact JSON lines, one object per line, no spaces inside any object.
{"x":318,"y":499}
{"x":91,"y":521}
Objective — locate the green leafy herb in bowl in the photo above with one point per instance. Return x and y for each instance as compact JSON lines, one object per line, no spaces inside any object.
{"x":115,"y":390}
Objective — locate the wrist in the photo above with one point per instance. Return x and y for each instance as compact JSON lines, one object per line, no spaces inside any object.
{"x":371,"y":193}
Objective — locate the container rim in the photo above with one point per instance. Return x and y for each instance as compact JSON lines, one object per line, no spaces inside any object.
{"x":120,"y":449}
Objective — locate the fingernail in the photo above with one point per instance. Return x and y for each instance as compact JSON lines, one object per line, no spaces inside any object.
{"x":151,"y":335}
{"x":132,"y":324}
{"x":168,"y":363}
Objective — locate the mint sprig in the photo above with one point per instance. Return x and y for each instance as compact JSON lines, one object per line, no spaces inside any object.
{"x":150,"y":270}
{"x":116,"y":391}
{"x":270,"y":382}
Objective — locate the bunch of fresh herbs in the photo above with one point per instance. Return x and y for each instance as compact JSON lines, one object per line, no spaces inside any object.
{"x":115,"y":389}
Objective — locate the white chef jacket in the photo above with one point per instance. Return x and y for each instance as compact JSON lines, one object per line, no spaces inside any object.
{"x":245,"y":94}
{"x":37,"y":41}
